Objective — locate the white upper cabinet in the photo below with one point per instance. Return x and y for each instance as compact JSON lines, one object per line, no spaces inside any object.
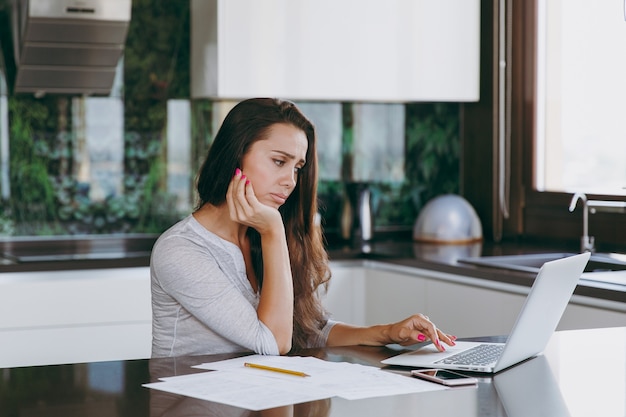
{"x":338,"y":50}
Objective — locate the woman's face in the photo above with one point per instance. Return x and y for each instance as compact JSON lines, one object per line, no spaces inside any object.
{"x":272,"y":164}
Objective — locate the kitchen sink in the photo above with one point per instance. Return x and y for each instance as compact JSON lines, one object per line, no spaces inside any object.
{"x":599,"y":262}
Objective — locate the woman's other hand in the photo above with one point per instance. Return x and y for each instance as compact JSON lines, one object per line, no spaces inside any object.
{"x":416,"y":329}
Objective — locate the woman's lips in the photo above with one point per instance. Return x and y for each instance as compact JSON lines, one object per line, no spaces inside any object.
{"x":279,"y":198}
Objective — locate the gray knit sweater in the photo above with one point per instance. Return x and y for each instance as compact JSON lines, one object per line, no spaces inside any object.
{"x":202,"y":301}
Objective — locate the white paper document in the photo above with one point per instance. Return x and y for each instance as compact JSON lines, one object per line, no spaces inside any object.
{"x":230,"y":382}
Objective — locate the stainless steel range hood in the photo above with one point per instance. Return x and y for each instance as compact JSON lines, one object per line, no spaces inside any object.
{"x":68,"y":46}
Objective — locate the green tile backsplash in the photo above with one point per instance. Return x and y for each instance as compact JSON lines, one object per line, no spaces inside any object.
{"x":80,"y":166}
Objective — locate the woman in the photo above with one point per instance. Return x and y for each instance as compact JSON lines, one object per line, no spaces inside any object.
{"x":242,"y":272}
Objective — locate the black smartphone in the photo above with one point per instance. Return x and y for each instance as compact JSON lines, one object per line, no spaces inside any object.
{"x":442,"y":376}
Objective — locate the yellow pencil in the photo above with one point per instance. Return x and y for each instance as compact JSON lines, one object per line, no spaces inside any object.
{"x":271,"y":368}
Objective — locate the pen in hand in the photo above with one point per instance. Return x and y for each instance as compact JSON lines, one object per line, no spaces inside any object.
{"x":271,"y":368}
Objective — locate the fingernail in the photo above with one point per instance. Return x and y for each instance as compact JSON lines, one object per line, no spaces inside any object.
{"x":247,"y":182}
{"x":421,"y":337}
{"x":237,"y":171}
{"x":243,"y":177}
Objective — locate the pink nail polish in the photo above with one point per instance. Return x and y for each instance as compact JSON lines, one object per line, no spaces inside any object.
{"x":247,"y":182}
{"x":421,"y":337}
{"x":237,"y":171}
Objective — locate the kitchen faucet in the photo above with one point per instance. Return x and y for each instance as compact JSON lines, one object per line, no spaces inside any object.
{"x":587,"y":243}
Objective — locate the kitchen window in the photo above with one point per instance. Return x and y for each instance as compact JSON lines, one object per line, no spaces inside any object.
{"x":568,"y":100}
{"x":522,"y":158}
{"x":581,"y":97}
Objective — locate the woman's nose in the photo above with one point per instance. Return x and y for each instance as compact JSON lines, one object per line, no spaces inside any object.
{"x":290,"y":179}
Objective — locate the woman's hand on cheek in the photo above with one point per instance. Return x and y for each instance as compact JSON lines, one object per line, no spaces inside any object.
{"x":245,"y":208}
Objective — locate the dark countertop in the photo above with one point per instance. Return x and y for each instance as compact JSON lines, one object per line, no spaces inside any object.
{"x":98,"y":252}
{"x":79,"y":252}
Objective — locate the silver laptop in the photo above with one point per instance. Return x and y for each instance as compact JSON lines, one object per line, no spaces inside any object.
{"x":536,"y":322}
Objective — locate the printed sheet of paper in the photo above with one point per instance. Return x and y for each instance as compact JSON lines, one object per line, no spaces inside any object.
{"x":252,"y":392}
{"x":230,"y":382}
{"x":347,"y":380}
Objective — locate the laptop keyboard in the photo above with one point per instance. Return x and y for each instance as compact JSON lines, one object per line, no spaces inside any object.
{"x":478,"y":355}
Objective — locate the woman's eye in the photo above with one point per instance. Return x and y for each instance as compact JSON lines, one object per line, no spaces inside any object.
{"x":279,"y":163}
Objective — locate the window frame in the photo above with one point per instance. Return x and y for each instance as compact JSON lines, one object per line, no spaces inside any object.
{"x":544,"y":214}
{"x":534,"y":216}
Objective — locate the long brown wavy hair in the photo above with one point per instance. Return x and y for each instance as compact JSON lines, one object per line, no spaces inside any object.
{"x":248,"y":122}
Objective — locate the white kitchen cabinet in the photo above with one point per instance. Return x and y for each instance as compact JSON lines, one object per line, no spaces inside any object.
{"x":376,"y":294}
{"x":55,"y":317}
{"x":392,"y":296}
{"x":457,"y":308}
{"x":365,"y":296}
{"x":468,"y":311}
{"x":474,"y":309}
{"x":345,"y":299}
{"x":365,"y":50}
{"x":580,"y":316}
{"x":463,"y":306}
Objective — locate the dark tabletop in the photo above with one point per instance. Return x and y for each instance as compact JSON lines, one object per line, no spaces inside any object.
{"x":550,"y":384}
